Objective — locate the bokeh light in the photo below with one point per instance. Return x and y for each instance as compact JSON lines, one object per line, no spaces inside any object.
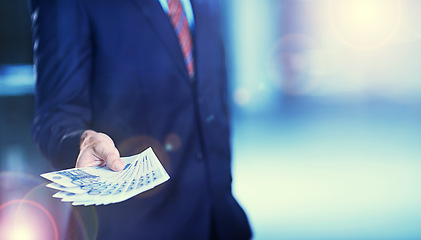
{"x":241,"y":96}
{"x":172,"y":142}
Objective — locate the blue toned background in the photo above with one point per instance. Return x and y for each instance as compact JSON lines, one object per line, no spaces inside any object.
{"x":326,"y":111}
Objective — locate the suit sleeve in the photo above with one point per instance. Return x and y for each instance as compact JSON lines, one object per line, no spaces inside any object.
{"x":62,"y":58}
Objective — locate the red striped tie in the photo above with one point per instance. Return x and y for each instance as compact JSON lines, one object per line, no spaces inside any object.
{"x":181,"y":26}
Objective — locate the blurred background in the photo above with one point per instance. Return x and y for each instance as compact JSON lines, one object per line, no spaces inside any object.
{"x":326,"y":112}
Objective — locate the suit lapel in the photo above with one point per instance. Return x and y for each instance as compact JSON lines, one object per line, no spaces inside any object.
{"x":152,"y":11}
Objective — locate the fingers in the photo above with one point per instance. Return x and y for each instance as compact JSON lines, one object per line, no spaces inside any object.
{"x":110,"y":155}
{"x":85,"y":159}
{"x":97,"y":149}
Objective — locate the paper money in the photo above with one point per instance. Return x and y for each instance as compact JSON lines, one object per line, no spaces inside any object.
{"x":100,"y":185}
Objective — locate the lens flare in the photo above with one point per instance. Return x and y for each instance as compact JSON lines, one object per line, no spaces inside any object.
{"x":365,"y":24}
{"x":86,"y":222}
{"x":20,"y":233}
{"x":25,"y":222}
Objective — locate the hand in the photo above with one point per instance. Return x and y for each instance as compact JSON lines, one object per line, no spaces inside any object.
{"x":97,"y":149}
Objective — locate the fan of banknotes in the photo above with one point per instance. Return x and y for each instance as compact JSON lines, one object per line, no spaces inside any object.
{"x":100,"y":185}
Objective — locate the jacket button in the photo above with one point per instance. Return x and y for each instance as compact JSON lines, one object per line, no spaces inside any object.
{"x":199,"y":156}
{"x":210,"y":118}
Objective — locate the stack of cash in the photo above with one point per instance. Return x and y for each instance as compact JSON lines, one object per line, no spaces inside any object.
{"x":100,"y":185}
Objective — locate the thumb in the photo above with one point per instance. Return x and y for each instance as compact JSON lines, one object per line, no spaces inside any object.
{"x":110,"y":156}
{"x":116,"y":164}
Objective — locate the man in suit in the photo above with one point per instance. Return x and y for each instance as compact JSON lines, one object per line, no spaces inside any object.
{"x":117,"y":76}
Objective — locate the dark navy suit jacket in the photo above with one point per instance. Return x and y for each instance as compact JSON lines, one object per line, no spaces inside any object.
{"x":115,"y":66}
